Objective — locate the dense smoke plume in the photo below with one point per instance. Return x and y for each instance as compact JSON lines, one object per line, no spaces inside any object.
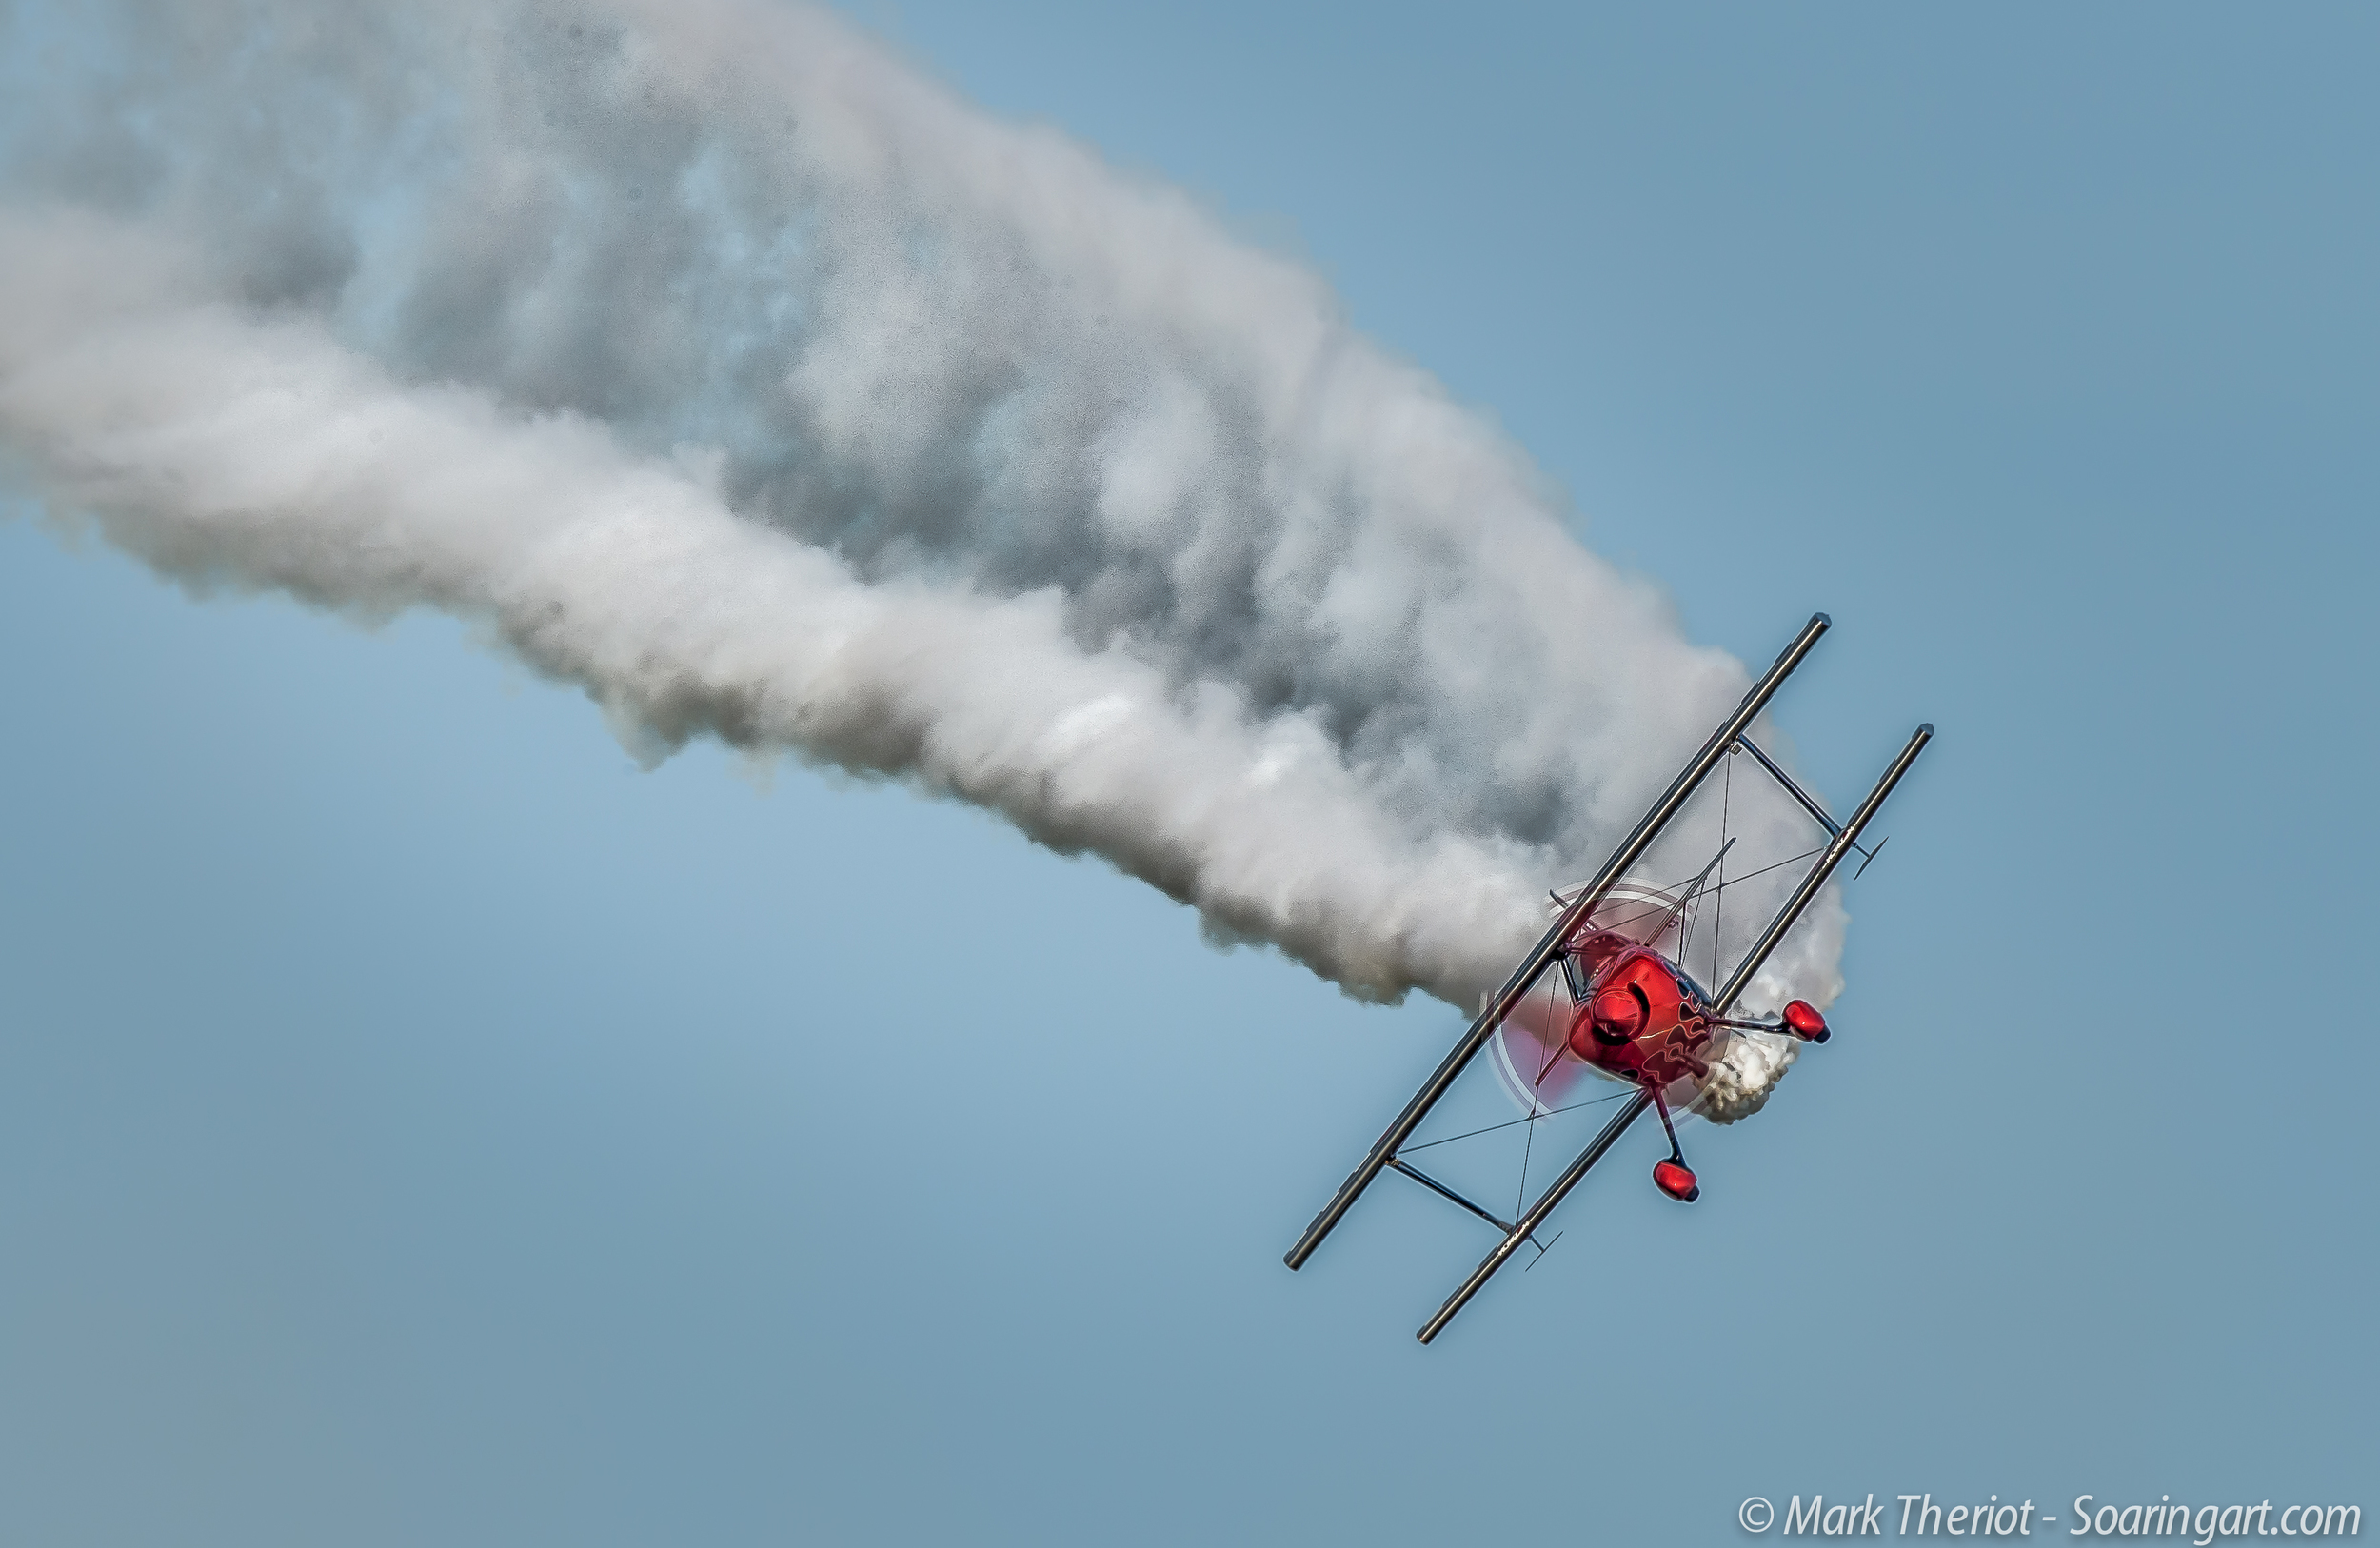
{"x":727,"y":369}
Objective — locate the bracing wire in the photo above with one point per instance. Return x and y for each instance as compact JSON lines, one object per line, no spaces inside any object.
{"x":1718,"y":895}
{"x":1555,"y":1112}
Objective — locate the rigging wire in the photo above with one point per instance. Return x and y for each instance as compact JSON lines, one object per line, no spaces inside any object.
{"x":1554,"y":1112}
{"x":1651,"y":909}
{"x":1719,"y":897}
{"x":1521,"y":1198}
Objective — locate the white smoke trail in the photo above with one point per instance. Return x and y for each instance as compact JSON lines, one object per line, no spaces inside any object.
{"x":729,"y":370}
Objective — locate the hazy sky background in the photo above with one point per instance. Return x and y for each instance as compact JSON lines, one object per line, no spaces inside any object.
{"x":419,"y":1125}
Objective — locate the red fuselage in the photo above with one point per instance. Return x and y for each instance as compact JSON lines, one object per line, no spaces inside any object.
{"x":1641,"y":1019}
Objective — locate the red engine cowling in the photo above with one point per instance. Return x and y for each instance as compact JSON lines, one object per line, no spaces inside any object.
{"x":1636,"y":997}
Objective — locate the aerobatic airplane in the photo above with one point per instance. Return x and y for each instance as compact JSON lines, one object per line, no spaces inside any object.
{"x":1621,"y":1005}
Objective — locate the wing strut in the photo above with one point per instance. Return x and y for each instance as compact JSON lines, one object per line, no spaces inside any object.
{"x":1525,"y":976}
{"x":1809,"y":803}
{"x":1844,"y":842}
{"x":1754,"y":960}
{"x":1444,"y":1192}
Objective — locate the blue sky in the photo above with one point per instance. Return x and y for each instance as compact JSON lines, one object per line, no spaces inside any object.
{"x":417,"y":1123}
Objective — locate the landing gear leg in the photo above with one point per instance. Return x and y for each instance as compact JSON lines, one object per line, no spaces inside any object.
{"x":1673,"y":1177}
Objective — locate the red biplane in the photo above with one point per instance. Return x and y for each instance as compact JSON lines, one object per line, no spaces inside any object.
{"x":1622,"y":1005}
